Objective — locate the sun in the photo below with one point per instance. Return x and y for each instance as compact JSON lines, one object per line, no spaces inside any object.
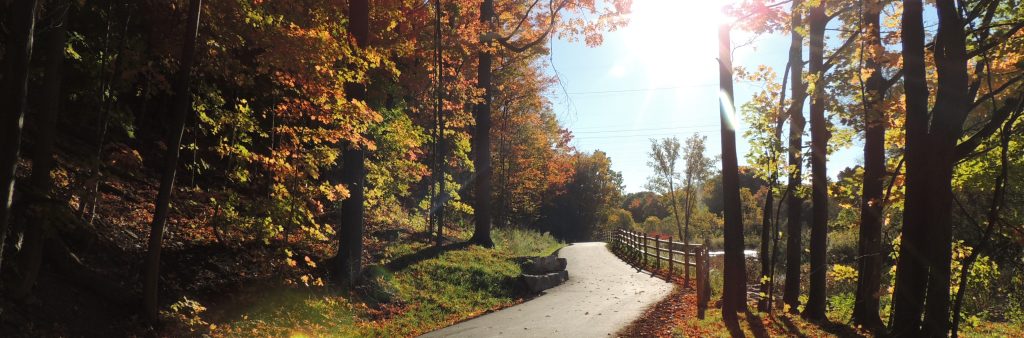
{"x":669,"y":39}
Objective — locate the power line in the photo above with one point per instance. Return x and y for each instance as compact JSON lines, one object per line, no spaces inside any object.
{"x":640,"y":135}
{"x":635,"y":90}
{"x":641,"y":129}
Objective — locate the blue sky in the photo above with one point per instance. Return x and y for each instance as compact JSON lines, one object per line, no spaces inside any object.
{"x":656,"y":78}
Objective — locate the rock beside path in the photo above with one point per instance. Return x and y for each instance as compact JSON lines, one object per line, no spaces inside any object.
{"x":542,"y":273}
{"x":543,"y":265}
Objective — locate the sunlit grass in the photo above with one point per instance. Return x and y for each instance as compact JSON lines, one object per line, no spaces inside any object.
{"x":427,"y":295}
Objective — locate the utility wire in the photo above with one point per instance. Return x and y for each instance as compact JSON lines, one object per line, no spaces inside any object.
{"x":707,"y":131}
{"x":641,"y":129}
{"x":636,"y":90}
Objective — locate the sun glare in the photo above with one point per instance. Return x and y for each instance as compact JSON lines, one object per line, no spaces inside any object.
{"x":671,"y":44}
{"x":664,"y":38}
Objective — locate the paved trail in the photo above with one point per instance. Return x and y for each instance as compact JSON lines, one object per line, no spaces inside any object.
{"x":603,"y":295}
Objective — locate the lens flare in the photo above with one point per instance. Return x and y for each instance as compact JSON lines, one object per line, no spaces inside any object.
{"x":728,"y":109}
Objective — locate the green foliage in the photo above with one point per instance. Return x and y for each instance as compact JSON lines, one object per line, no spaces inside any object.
{"x":592,"y":193}
{"x":842,"y":245}
{"x":763,"y":114}
{"x":840,"y":306}
{"x":842,"y":279}
{"x":645,"y":204}
{"x":394,"y":168}
{"x":620,"y":219}
{"x":187,"y":312}
{"x":982,"y":275}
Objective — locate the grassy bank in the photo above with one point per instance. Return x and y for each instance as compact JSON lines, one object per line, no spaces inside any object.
{"x":410,"y":292}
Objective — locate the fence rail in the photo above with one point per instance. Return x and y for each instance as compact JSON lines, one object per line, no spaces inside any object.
{"x":653,"y":251}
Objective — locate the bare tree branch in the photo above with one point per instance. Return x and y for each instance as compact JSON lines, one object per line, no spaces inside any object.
{"x":965,"y":148}
{"x":507,"y":43}
{"x":835,"y":55}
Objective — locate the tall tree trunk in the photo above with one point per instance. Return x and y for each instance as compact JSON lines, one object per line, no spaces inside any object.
{"x":794,"y":202}
{"x":440,"y":200}
{"x":769,"y":229}
{"x":734,"y":291}
{"x":42,"y":156}
{"x":766,"y":232}
{"x":948,"y":115}
{"x":675,"y":208}
{"x":815,"y":307}
{"x":179,"y":110}
{"x":12,"y":103}
{"x":869,"y":267}
{"x":687,"y":211}
{"x":442,"y":166}
{"x":912,"y":266}
{"x":482,"y":139}
{"x":353,"y":174}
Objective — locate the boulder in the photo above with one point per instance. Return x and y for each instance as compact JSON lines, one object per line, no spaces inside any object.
{"x":538,"y":283}
{"x":543,"y":265}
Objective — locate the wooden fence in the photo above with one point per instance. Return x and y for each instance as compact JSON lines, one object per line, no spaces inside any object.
{"x":648,"y":251}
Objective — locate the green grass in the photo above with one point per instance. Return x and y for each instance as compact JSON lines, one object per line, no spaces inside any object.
{"x":424,"y":296}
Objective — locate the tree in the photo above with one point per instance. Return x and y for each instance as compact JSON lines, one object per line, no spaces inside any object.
{"x":643,"y":205}
{"x":734,"y":290}
{"x":529,"y":156}
{"x":529,"y":38}
{"x":13,"y":97}
{"x":794,"y":200}
{"x":948,"y":115}
{"x":815,"y":307}
{"x":482,"y":139}
{"x":697,"y":170}
{"x":932,"y":152}
{"x":664,"y":155}
{"x":912,"y":267}
{"x":765,"y":116}
{"x":180,"y":109}
{"x":350,"y":234}
{"x":40,"y":183}
{"x":869,"y":266}
{"x":998,"y":198}
{"x":592,"y":195}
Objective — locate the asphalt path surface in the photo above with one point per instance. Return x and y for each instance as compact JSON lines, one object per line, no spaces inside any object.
{"x":603,"y":295}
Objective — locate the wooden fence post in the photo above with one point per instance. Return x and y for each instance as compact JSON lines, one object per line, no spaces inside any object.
{"x":643,"y":250}
{"x":700,"y":283}
{"x":687,"y":252}
{"x":670,"y":246}
{"x":705,"y":284}
{"x":657,"y":253}
{"x":634,"y":246}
